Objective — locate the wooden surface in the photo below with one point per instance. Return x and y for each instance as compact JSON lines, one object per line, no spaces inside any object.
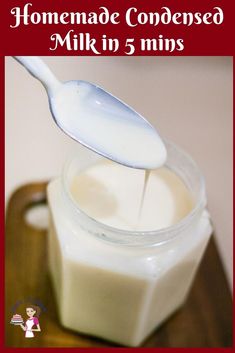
{"x":204,"y":321}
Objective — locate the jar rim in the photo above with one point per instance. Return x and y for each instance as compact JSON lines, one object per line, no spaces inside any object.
{"x":161,"y":235}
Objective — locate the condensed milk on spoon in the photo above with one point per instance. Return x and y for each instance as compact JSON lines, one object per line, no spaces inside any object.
{"x":98,"y":120}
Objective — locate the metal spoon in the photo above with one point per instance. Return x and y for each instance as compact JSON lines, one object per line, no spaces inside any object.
{"x":98,"y":120}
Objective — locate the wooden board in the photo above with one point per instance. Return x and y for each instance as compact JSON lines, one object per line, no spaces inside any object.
{"x":204,"y":321}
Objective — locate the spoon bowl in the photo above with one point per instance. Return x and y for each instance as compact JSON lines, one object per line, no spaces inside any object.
{"x":98,"y":120}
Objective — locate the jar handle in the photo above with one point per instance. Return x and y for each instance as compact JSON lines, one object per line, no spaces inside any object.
{"x":24,"y":198}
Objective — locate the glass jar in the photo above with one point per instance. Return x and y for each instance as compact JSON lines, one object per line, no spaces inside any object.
{"x":120,"y":285}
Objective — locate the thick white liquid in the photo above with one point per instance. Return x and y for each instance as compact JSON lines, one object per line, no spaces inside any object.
{"x":118,"y":292}
{"x":105,"y":289}
{"x":114,"y":195}
{"x":146,"y":179}
{"x":108,"y":126}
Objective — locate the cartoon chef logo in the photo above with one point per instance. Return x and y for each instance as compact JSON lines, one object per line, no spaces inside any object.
{"x":31,"y":324}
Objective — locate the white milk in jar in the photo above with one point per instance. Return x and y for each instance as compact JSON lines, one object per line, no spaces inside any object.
{"x":117,"y":274}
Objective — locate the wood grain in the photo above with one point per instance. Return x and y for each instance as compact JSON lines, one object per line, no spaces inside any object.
{"x":204,"y":321}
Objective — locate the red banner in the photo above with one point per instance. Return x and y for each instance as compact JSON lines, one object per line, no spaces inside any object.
{"x":117,"y":28}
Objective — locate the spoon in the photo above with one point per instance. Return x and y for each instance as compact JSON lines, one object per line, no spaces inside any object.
{"x":98,"y":120}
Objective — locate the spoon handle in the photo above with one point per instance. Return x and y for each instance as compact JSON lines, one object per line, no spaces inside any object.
{"x":38,"y":69}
